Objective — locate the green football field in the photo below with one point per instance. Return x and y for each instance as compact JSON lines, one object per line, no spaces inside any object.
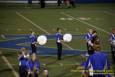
{"x":22,"y":19}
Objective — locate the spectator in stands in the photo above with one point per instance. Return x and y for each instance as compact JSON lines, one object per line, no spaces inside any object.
{"x":72,"y":2}
{"x":67,"y":3}
{"x":29,"y":1}
{"x":59,"y":2}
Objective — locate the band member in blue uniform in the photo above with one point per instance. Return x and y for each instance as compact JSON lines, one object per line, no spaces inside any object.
{"x":33,"y":41}
{"x":33,"y":66}
{"x":89,"y":37}
{"x":59,"y":40}
{"x":112,"y":43}
{"x":23,"y":59}
{"x":97,"y":63}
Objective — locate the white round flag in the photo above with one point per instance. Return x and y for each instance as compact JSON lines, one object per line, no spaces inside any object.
{"x":67,"y":37}
{"x":42,"y":39}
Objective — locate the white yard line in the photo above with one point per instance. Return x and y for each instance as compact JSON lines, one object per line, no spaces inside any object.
{"x":34,"y":24}
{"x":84,"y":22}
{"x":37,"y":26}
{"x":9,"y":65}
{"x":109,"y":13}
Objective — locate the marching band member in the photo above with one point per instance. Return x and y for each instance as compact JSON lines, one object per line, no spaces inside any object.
{"x":59,"y":39}
{"x":97,"y":63}
{"x":89,"y":37}
{"x":112,"y":43}
{"x":33,"y":41}
{"x":33,"y":66}
{"x":23,"y":59}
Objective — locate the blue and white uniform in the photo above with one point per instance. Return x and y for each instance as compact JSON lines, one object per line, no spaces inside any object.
{"x":33,"y":40}
{"x":112,"y":38}
{"x":97,"y":62}
{"x":112,"y":42}
{"x":33,"y":68}
{"x":89,"y":43}
{"x":23,"y":61}
{"x":59,"y":37}
{"x":89,"y":37}
{"x":31,"y":65}
{"x":23,"y":66}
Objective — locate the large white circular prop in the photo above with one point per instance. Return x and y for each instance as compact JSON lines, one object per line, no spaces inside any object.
{"x":42,"y":39}
{"x":67,"y":37}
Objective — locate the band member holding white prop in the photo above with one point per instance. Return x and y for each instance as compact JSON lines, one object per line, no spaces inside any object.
{"x":33,"y":41}
{"x":89,"y":37}
{"x":59,"y":41}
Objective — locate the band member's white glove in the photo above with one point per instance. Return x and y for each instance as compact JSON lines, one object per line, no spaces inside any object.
{"x":90,"y":43}
{"x":29,"y":72}
{"x":91,"y":72}
{"x":58,"y":40}
{"x":45,"y":72}
{"x":113,"y":43}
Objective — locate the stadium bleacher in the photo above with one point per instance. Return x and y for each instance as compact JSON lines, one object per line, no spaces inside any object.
{"x":26,"y":1}
{"x":55,"y":1}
